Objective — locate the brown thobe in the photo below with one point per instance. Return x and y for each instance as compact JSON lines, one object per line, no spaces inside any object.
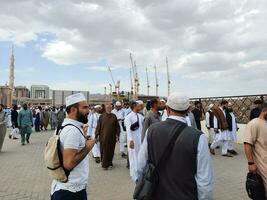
{"x":45,"y":119}
{"x":106,"y":131}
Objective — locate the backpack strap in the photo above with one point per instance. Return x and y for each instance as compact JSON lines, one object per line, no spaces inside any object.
{"x":58,"y":131}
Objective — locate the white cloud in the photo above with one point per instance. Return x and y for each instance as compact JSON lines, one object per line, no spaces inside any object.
{"x":217,"y":43}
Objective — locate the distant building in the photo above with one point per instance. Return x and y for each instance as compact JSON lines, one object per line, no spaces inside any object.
{"x":21,"y":92}
{"x":4,"y":95}
{"x":39,"y":92}
{"x":58,"y":96}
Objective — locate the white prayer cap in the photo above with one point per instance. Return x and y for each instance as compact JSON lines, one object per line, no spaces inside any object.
{"x":97,"y":106}
{"x":163,"y":100}
{"x":139,"y":102}
{"x":179,"y":102}
{"x":75,"y":98}
{"x":210,"y":106}
{"x":118,"y":103}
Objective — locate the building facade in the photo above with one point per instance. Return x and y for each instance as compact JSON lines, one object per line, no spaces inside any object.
{"x":58,"y":96}
{"x":39,"y":92}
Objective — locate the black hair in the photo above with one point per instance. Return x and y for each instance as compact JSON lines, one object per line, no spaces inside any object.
{"x":197,"y":102}
{"x":153,"y":102}
{"x":258,"y":101}
{"x":224,"y":102}
{"x":2,"y":105}
{"x":148,"y":105}
{"x":15,"y":107}
{"x":133,"y":104}
{"x":68,"y":108}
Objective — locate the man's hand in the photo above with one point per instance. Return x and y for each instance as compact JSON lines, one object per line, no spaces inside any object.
{"x":90,"y":144}
{"x":85,"y":129}
{"x":131,"y":144}
{"x":216,"y":130}
{"x":253,"y":168}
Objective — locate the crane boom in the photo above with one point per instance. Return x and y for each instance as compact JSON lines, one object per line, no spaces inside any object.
{"x":111,"y":75}
{"x":168,"y":76}
{"x":156,"y":79}
{"x":148,"y":86}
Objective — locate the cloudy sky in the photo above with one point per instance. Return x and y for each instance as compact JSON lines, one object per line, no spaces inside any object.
{"x":214,"y":47}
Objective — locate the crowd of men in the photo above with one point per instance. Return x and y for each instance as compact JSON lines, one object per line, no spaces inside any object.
{"x":143,"y":132}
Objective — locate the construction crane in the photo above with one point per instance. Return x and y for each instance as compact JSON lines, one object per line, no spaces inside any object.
{"x":148,"y":86}
{"x":156,"y":79}
{"x":168,"y":76}
{"x":135,"y":77}
{"x":105,"y":92}
{"x":110,"y":91}
{"x":131,"y":79}
{"x":136,"y":80}
{"x":117,"y":86}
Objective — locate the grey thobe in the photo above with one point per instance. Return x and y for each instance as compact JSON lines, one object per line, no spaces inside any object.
{"x":150,"y":119}
{"x":3,"y":122}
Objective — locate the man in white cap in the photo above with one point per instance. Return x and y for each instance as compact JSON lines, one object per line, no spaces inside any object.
{"x":142,"y":106}
{"x":209,"y":117}
{"x":93,"y":120}
{"x":75,"y":148}
{"x":134,"y":127}
{"x":119,"y":112}
{"x":187,"y":171}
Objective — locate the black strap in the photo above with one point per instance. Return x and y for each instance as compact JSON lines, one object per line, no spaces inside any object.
{"x":58,"y":130}
{"x":177,"y":131}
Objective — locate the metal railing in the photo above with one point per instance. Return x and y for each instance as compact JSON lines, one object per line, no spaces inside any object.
{"x":242,"y":105}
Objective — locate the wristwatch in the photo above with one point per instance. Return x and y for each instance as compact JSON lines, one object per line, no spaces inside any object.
{"x":250,"y":163}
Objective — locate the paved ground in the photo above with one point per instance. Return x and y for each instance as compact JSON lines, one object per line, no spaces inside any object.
{"x":23,"y":175}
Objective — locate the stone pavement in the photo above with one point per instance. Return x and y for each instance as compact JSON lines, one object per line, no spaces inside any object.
{"x":23,"y":174}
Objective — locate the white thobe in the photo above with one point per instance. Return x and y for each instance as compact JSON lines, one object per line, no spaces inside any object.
{"x":232,"y":133}
{"x":164,"y":115}
{"x":120,"y":117}
{"x":134,"y":136}
{"x":93,"y":120}
{"x":222,"y":138}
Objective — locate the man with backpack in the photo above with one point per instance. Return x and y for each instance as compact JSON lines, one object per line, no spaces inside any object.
{"x":180,"y":155}
{"x":75,"y":148}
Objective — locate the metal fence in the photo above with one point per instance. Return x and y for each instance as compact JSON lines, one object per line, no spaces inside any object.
{"x":242,"y":105}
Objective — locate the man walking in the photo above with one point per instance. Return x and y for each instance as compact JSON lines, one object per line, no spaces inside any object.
{"x":153,"y":116}
{"x":61,"y":115}
{"x":231,"y":120}
{"x":198,"y":114}
{"x":134,"y":127}
{"x":93,"y":121}
{"x":14,"y":121}
{"x":255,"y":144}
{"x":221,"y":128}
{"x":75,"y":149}
{"x":25,"y":123}
{"x":107,"y":132}
{"x":209,"y":116}
{"x":119,"y":112}
{"x":188,"y":173}
{"x":3,"y":124}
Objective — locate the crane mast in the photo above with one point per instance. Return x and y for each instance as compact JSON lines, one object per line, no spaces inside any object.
{"x":131,"y":79}
{"x":148,"y":86}
{"x":156,"y":79}
{"x":135,"y":77}
{"x":168,"y":76}
{"x":117,"y":85}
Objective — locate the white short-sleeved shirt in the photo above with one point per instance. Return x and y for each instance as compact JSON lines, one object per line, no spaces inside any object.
{"x":71,"y":138}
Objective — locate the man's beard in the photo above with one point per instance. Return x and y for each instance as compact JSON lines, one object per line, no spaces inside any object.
{"x":82,"y":118}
